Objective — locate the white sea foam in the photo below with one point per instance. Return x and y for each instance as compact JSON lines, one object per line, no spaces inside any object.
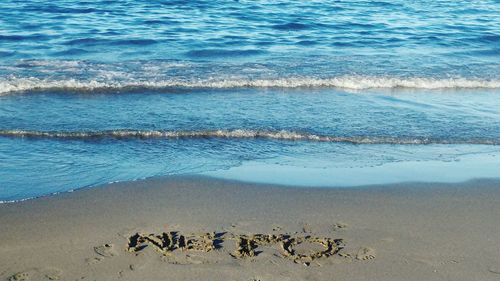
{"x":239,"y":134}
{"x":10,"y":85}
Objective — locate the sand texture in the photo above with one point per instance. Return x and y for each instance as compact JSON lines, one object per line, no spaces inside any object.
{"x":195,"y":228}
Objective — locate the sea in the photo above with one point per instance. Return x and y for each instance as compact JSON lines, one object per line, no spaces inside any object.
{"x":340,"y":93}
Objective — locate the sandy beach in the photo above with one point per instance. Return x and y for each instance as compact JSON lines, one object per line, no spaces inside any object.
{"x":197,"y":228}
{"x":250,"y":140}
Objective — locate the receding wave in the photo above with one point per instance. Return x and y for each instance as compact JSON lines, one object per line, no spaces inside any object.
{"x":237,"y":134}
{"x":10,"y":85}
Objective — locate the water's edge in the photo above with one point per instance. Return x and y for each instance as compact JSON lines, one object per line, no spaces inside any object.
{"x":413,"y":185}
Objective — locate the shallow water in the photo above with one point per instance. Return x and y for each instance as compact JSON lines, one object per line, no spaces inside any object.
{"x":93,"y":92}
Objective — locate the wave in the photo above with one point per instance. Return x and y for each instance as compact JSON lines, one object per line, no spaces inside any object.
{"x":238,"y":134}
{"x":10,"y":85}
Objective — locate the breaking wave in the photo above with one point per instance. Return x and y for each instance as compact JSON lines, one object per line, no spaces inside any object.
{"x":11,"y":85}
{"x":238,"y":134}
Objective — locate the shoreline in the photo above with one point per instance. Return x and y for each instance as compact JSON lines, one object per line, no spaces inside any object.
{"x":410,"y":231}
{"x":214,"y":176}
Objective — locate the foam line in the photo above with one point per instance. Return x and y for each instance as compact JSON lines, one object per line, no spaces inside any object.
{"x":12,"y":85}
{"x":237,"y":134}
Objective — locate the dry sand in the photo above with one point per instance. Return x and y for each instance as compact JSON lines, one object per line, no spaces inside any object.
{"x":195,"y":228}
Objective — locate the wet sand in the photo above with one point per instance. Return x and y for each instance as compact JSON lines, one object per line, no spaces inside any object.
{"x":197,"y":228}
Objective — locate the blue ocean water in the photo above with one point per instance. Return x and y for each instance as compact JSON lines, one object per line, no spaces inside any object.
{"x":337,"y":92}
